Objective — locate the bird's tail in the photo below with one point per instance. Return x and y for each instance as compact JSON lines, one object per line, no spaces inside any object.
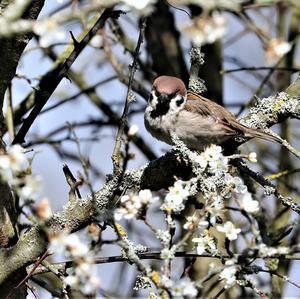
{"x":262,"y":135}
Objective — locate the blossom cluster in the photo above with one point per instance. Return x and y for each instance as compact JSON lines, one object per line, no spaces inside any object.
{"x":182,"y":288}
{"x":15,"y":170}
{"x":206,"y":28}
{"x":83,"y":276}
{"x":131,"y":205}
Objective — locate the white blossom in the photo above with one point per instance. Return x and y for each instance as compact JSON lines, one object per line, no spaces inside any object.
{"x":133,"y":130}
{"x":205,"y":243}
{"x":181,"y":288}
{"x":236,"y":183}
{"x":239,"y":186}
{"x":216,"y":208}
{"x":43,"y":209}
{"x":176,"y":197}
{"x":68,"y":244}
{"x":191,"y":220}
{"x":252,"y":157}
{"x":49,"y":32}
{"x":84,"y":277}
{"x":230,"y":231}
{"x":199,"y":160}
{"x":132,"y":204}
{"x":14,"y":160}
{"x":144,"y":7}
{"x":228,"y":274}
{"x":96,"y":41}
{"x":164,"y":236}
{"x":31,"y":188}
{"x":217,"y":162}
{"x":276,"y":49}
{"x":206,"y":29}
{"x":248,"y":204}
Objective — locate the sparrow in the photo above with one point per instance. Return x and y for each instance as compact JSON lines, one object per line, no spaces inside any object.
{"x":195,"y":120}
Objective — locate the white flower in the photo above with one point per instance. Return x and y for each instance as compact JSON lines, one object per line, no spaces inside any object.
{"x":133,"y":130}
{"x":174,"y":200}
{"x":213,"y":152}
{"x":228,"y":274}
{"x":164,"y":236}
{"x":185,"y":287}
{"x":49,"y":32}
{"x":199,"y":160}
{"x":131,"y":204}
{"x":43,"y":209}
{"x":248,"y":204}
{"x":68,"y":244}
{"x":205,"y":243}
{"x":72,"y":281}
{"x":14,"y":160}
{"x":181,"y":288}
{"x":84,"y":277}
{"x":276,"y":49}
{"x":32,"y":187}
{"x":217,"y":163}
{"x":252,"y":157}
{"x":146,"y":197}
{"x":230,"y":231}
{"x":190,"y":221}
{"x":145,"y":7}
{"x":96,"y":41}
{"x":216,"y":208}
{"x":206,"y":29}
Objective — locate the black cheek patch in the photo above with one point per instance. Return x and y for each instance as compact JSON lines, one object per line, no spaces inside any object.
{"x":150,"y":97}
{"x":179,"y":102}
{"x":161,"y":109}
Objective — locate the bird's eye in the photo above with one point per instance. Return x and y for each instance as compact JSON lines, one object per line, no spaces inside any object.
{"x":179,"y":101}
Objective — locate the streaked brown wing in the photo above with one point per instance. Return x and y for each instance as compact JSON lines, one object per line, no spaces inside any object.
{"x":206,"y":107}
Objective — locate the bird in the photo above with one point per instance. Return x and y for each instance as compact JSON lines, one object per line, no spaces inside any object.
{"x":194,"y":119}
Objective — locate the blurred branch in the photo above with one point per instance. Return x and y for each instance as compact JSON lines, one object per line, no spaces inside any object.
{"x":164,"y":48}
{"x":157,"y":256}
{"x":78,"y":79}
{"x":11,"y":50}
{"x":51,"y":80}
{"x":288,"y":69}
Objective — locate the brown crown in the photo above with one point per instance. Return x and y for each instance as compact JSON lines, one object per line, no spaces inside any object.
{"x":169,"y":85}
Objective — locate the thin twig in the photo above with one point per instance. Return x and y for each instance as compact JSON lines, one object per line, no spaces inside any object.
{"x":116,"y":156}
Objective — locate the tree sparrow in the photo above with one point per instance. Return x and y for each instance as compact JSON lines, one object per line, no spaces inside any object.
{"x":194,"y":119}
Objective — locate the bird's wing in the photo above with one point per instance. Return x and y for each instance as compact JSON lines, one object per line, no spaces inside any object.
{"x":208,"y":108}
{"x":232,"y":127}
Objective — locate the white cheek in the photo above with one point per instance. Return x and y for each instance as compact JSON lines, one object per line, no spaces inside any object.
{"x":154,"y":100}
{"x":174,"y":106}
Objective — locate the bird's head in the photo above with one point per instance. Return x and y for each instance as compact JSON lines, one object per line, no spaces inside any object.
{"x":168,"y":94}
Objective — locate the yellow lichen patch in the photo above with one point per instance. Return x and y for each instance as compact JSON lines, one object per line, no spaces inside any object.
{"x":278,"y":105}
{"x":155,"y":277}
{"x":120,"y":230}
